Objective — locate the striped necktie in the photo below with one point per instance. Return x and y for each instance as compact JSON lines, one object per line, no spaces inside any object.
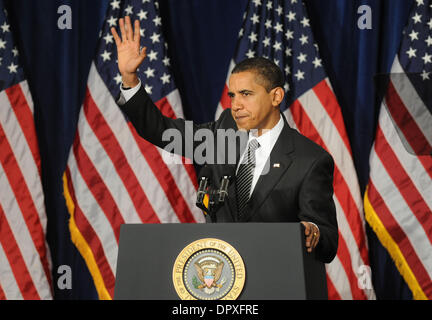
{"x":245,"y":176}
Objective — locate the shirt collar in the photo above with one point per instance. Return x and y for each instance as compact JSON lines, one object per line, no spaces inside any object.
{"x":269,"y":137}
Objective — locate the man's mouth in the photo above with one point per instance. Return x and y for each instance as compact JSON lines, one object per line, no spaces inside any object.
{"x":241,"y":117}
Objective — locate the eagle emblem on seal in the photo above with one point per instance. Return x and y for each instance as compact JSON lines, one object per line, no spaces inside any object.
{"x":209,"y":271}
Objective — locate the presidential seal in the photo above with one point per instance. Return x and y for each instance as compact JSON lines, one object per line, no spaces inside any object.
{"x":209,"y":269}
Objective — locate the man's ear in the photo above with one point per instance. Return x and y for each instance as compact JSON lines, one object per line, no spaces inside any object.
{"x":277,"y":96}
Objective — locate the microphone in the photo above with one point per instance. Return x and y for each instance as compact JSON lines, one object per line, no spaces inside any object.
{"x":216,"y":197}
{"x":228,"y":173}
{"x":204,"y":178}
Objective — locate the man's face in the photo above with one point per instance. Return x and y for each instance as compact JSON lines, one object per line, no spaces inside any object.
{"x":252,"y":107}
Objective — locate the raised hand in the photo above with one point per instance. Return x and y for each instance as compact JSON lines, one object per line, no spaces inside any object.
{"x":129,"y":55}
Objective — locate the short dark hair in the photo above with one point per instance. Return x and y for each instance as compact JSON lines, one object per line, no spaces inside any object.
{"x":271,"y":75}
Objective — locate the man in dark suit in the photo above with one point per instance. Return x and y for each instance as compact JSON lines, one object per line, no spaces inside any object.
{"x":280,"y":175}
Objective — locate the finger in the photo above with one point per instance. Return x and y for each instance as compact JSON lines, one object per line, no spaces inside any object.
{"x":316,"y":240}
{"x":307,"y":228}
{"x":312,"y":231}
{"x":116,"y":36}
{"x":137,"y":30}
{"x":309,"y":247}
{"x":143,"y":52}
{"x":308,"y":241}
{"x":129,"y":30}
{"x":315,"y":243}
{"x":315,"y":237}
{"x":122,"y":29}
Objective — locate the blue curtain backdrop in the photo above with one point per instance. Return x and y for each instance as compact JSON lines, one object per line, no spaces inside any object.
{"x":201,"y":36}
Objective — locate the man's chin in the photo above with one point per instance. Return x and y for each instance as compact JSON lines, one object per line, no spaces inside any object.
{"x":243,"y":128}
{"x":243,"y":125}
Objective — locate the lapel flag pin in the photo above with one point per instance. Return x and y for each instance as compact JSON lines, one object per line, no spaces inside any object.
{"x":276,"y":165}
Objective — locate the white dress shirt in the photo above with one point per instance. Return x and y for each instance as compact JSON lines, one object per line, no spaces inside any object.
{"x":127,"y":94}
{"x":266,"y":141}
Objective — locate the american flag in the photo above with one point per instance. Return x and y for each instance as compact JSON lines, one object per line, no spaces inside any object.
{"x":113,"y":176}
{"x":398,"y":200}
{"x":280,"y":30}
{"x":25,"y":263}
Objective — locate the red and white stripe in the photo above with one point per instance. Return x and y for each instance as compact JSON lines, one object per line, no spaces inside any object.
{"x":400,"y":185}
{"x":117,"y":177}
{"x":316,"y":114}
{"x":25,"y":263}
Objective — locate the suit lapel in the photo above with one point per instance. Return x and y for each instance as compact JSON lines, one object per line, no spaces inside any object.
{"x":276,"y":165}
{"x":232,"y":201}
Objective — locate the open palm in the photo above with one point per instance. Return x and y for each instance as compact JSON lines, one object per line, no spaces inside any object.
{"x":129,"y":54}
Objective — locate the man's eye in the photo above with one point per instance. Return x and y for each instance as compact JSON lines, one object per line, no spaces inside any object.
{"x":246,"y":93}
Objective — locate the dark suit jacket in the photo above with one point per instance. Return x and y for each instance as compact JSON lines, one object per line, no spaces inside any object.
{"x":298,"y":188}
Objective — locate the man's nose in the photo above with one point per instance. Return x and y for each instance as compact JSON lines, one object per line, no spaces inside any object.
{"x":236,"y":104}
